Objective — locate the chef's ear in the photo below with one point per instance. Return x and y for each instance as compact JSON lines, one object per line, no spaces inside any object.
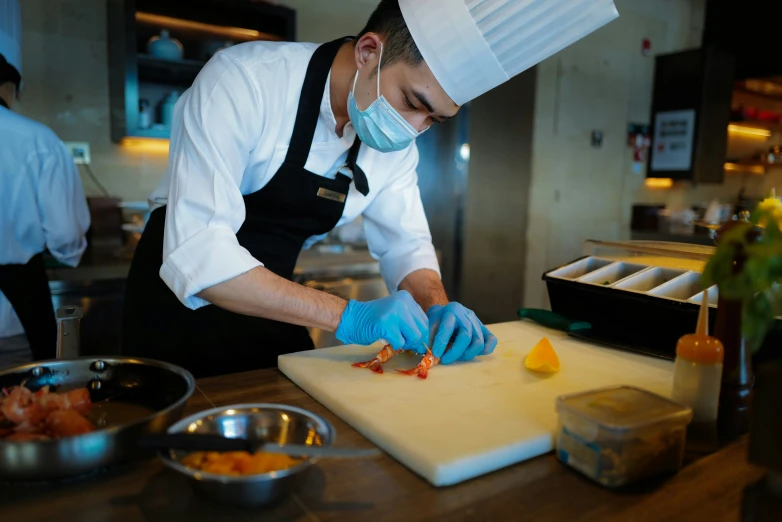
{"x":367,"y":50}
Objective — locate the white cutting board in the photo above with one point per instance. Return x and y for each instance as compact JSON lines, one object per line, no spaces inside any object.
{"x":466,"y":419}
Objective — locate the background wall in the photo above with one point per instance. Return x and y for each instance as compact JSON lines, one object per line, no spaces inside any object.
{"x":325,"y":20}
{"x":66,"y":87}
{"x":601,"y":83}
{"x":497,"y":200}
{"x":66,"y":75}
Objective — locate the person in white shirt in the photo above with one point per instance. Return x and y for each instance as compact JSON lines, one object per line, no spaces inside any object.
{"x":275,"y":144}
{"x":42,"y":206}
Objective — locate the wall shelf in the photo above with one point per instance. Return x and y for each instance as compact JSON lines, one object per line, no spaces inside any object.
{"x":203,"y":29}
{"x":750,"y":138}
{"x":747,"y":167}
{"x":153,"y":132}
{"x":770,"y":88}
{"x":757,"y":124}
{"x":202,"y":26}
{"x":157,"y":70}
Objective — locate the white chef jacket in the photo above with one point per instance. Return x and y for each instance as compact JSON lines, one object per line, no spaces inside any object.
{"x":230,"y":135}
{"x":42,"y":203}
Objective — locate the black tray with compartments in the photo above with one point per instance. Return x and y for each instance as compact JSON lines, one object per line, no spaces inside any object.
{"x":634,"y":304}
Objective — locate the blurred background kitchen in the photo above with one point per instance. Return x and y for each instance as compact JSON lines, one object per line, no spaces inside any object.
{"x":512,"y":187}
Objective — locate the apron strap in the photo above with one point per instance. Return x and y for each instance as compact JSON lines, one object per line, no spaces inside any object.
{"x":359,"y":177}
{"x":309,"y":102}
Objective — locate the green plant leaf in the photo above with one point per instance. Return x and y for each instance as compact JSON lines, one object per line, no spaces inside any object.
{"x":757,"y":318}
{"x":756,"y":279}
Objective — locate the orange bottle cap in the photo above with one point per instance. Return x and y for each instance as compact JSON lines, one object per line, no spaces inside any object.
{"x":702,"y":349}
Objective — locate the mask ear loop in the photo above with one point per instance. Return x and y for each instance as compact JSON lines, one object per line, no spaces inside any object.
{"x":379,"y":63}
{"x":355,"y":79}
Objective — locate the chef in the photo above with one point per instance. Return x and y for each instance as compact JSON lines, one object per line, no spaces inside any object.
{"x":275,"y":144}
{"x":42,"y":205}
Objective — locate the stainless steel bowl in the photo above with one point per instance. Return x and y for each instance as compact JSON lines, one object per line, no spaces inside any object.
{"x":268,"y":422}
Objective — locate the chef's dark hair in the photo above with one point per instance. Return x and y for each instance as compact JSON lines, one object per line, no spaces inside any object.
{"x":8,"y":73}
{"x":387,"y":20}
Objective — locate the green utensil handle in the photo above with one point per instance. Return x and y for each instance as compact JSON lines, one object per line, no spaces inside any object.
{"x":551,"y":320}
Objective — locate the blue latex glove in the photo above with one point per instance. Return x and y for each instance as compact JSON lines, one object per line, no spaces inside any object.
{"x":397,"y":319}
{"x":472,"y":337}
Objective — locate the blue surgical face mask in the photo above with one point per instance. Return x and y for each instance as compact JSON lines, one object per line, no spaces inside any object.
{"x":380,"y":126}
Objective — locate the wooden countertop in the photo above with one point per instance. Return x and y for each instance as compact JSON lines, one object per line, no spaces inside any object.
{"x":382,"y":490}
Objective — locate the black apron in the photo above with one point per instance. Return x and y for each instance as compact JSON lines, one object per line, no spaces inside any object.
{"x":27,"y":289}
{"x":295,"y":205}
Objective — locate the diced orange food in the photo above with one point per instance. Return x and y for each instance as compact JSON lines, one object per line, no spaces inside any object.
{"x":238,"y":462}
{"x":26,"y":415}
{"x":194,"y":460}
{"x":67,"y":423}
{"x":542,"y":358}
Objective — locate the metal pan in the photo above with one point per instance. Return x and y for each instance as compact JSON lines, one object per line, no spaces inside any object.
{"x":131,"y":397}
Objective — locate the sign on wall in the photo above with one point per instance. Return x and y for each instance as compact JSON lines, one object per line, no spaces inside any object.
{"x":674,"y":136}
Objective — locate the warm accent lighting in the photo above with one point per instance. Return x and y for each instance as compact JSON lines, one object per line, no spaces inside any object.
{"x":145,"y":145}
{"x":221,"y":30}
{"x":751,"y":169}
{"x":749,"y":131}
{"x":658,"y":183}
{"x":464,"y":152}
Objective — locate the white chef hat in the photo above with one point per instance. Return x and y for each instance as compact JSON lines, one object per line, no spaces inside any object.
{"x":472,"y":46}
{"x":11,"y":33}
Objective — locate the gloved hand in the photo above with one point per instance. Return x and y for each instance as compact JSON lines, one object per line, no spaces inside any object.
{"x":472,"y":337}
{"x":397,"y":319}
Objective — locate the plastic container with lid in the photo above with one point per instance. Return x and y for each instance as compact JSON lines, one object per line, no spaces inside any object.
{"x":621,"y":434}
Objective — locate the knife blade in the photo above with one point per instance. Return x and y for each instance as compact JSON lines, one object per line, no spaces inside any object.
{"x":212,"y":442}
{"x":552,"y":320}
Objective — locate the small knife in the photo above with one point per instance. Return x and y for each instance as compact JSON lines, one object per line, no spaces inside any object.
{"x":552,"y":320}
{"x":210,"y":442}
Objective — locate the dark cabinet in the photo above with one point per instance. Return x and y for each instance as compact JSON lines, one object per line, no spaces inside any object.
{"x":144,"y":86}
{"x":690,"y":115}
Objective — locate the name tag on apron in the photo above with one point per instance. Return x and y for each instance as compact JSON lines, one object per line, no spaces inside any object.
{"x":330,"y":194}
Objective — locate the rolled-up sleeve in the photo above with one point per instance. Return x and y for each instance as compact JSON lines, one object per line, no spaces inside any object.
{"x":396,"y":227}
{"x":65,"y":216}
{"x":216,"y":124}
